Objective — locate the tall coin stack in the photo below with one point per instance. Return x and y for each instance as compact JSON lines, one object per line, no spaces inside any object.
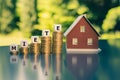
{"x":57,"y":40}
{"x":46,"y":42}
{"x":35,"y":46}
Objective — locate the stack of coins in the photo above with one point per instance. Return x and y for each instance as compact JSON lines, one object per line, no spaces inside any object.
{"x":24,"y":50}
{"x":46,"y":44}
{"x":35,"y":48}
{"x":57,"y":42}
{"x":13,"y":49}
{"x":24,"y":47}
{"x":14,"y":52}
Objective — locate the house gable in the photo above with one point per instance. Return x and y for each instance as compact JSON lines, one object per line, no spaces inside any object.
{"x":76,"y":22}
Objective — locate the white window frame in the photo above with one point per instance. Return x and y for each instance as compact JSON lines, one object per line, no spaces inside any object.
{"x":74,"y":41}
{"x":90,"y":41}
{"x":82,"y":28}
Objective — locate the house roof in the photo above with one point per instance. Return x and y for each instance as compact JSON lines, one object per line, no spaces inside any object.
{"x":76,"y":21}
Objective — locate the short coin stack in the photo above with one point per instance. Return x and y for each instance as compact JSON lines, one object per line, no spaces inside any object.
{"x":46,"y":44}
{"x":13,"y":49}
{"x":57,"y":41}
{"x":24,"y":50}
{"x":35,"y":46}
{"x":24,"y":47}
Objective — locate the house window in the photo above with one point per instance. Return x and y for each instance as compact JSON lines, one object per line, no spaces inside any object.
{"x":82,"y":28}
{"x":90,"y":41}
{"x":74,"y":41}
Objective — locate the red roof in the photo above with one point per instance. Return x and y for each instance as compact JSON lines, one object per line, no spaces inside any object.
{"x":76,"y":21}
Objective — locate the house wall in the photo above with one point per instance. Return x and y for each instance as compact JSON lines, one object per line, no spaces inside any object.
{"x":82,"y":36}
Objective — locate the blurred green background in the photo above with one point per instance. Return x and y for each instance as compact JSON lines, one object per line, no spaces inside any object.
{"x":20,"y":19}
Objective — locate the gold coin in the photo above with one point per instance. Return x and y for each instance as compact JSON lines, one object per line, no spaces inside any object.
{"x":24,"y":50}
{"x":46,"y":44}
{"x":35,"y":48}
{"x":57,"y":42}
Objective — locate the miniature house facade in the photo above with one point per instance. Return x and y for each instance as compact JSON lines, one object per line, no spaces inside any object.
{"x":81,"y":37}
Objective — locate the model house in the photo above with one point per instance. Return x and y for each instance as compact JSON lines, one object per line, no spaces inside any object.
{"x":81,"y":37}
